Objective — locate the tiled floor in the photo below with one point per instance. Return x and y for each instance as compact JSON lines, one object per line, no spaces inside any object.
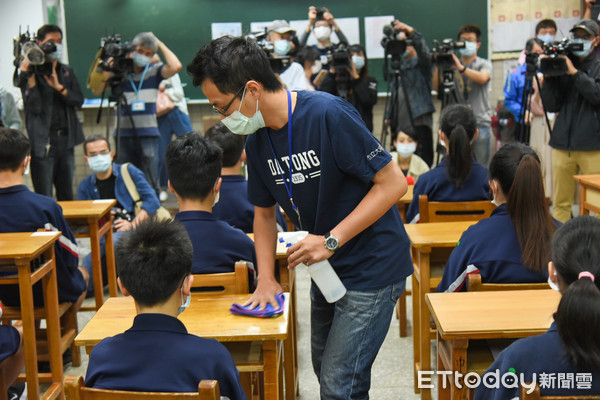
{"x":392,"y":376}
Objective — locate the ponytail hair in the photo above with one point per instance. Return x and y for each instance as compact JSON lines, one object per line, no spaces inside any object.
{"x":516,"y":167}
{"x":459,"y":125}
{"x":575,"y":250}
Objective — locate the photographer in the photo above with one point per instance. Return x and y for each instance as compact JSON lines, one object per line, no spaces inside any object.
{"x":362,"y":92}
{"x":475,"y":73}
{"x":140,"y":89}
{"x":107,"y":182}
{"x":321,"y":23}
{"x":576,"y":97}
{"x":285,"y":44}
{"x":50,"y":103}
{"x":416,"y":78}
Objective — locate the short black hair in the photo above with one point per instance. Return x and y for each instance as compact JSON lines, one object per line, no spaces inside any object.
{"x":46,"y":29}
{"x":193,"y":165}
{"x":307,"y":53}
{"x":545,"y":23}
{"x":14,"y":147}
{"x":532,"y":42}
{"x":153,"y":259}
{"x":94,"y":138}
{"x":470,"y":28}
{"x":231,"y":144}
{"x":230,"y":62}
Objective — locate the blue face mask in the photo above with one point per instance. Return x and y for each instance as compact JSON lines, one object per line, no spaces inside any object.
{"x":140,"y":60}
{"x":282,"y":47}
{"x":469,"y":50}
{"x":239,"y":124}
{"x":359,"y":62}
{"x":587,"y":47}
{"x":58,"y":53}
{"x":100,"y":163}
{"x":548,"y":38}
{"x":184,"y":303}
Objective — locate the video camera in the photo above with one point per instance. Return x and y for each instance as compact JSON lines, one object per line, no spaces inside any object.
{"x":26,"y":48}
{"x":320,"y":12}
{"x":112,"y":47}
{"x":392,"y":45}
{"x":278,"y":63}
{"x":340,"y":58}
{"x":442,"y":52}
{"x":553,"y":65}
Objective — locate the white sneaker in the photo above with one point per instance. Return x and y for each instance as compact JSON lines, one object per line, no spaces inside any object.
{"x":163,"y":196}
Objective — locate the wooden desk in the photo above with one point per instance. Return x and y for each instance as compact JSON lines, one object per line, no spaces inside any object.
{"x":21,"y":249}
{"x":287,"y":280}
{"x":441,"y":238}
{"x":92,"y":218}
{"x":460,"y":317}
{"x":207,"y":318}
{"x":405,"y":201}
{"x":589,"y":193}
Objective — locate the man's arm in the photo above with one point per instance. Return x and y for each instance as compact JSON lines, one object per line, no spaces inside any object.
{"x":150,"y":202}
{"x":587,"y":86}
{"x":173,"y":65}
{"x":389,"y":185}
{"x":480,"y":77}
{"x":32,"y":98}
{"x":265,"y":244}
{"x":512,"y":99}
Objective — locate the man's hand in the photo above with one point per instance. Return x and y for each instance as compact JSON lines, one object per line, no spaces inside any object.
{"x":312,"y":15}
{"x":122,"y":225}
{"x":457,"y":64}
{"x":265,"y":292}
{"x":401,"y":26}
{"x":328,"y":16}
{"x":308,"y":251}
{"x":24,"y":65}
{"x":571,"y":70}
{"x":142,"y":215}
{"x":53,"y":82}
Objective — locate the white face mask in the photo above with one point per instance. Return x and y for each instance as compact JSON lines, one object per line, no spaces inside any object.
{"x":27,"y":168}
{"x":553,"y":285}
{"x":317,"y":66}
{"x":322,"y":33}
{"x":57,"y":55}
{"x":406,"y":149}
{"x":239,"y":124}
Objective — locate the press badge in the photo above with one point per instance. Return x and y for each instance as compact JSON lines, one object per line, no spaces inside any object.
{"x":138,"y":106}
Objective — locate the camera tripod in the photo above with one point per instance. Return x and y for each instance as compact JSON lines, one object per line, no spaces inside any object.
{"x":448,"y":95}
{"x":395,"y":80}
{"x":523,"y":132}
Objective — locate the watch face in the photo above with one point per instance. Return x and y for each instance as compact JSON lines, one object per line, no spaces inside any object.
{"x":331,"y":243}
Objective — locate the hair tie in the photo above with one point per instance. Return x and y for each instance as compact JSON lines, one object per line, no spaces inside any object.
{"x":586,"y":274}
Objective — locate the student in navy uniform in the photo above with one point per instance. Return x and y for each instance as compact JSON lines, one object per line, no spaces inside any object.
{"x":513,"y":244}
{"x":194,"y":169}
{"x":234,"y":206}
{"x":11,"y":352}
{"x":565,"y":359}
{"x":157,"y":354}
{"x":344,"y":187}
{"x":25,"y":211}
{"x":458,"y":177}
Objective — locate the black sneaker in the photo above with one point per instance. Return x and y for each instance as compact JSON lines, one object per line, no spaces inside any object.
{"x":16,"y":390}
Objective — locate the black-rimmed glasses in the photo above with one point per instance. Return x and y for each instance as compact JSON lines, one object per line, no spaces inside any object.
{"x":224,"y":111}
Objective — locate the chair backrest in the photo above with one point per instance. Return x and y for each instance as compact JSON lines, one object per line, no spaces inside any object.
{"x":449,"y":211}
{"x":475,"y":285}
{"x":536,"y":395}
{"x":224,"y":283}
{"x":75,"y":390}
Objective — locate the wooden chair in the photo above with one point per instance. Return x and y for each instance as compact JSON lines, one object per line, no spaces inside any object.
{"x":475,"y":285}
{"x":443,"y":211}
{"x":75,"y":390}
{"x":536,"y":395}
{"x":224,"y":283}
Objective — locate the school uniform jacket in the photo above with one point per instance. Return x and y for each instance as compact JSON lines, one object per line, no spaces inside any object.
{"x":542,"y":355}
{"x":9,"y":341}
{"x":157,"y":354}
{"x":436,"y":185}
{"x":490,"y":248}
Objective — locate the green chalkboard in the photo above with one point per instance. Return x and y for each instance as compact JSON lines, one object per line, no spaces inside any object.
{"x":185,"y":25}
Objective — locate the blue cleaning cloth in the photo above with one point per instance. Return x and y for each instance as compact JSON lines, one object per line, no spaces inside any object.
{"x":269,"y":311}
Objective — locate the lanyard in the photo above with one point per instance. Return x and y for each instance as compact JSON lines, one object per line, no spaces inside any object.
{"x":138,"y":89}
{"x":290,"y":188}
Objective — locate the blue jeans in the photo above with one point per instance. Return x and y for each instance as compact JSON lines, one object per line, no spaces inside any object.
{"x":87,"y":261}
{"x":481,"y":145}
{"x":54,"y":169}
{"x":175,"y":122}
{"x":129,"y":152}
{"x":346,"y":337}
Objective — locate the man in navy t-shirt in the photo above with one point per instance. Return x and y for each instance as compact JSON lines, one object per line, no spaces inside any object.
{"x":311,"y":153}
